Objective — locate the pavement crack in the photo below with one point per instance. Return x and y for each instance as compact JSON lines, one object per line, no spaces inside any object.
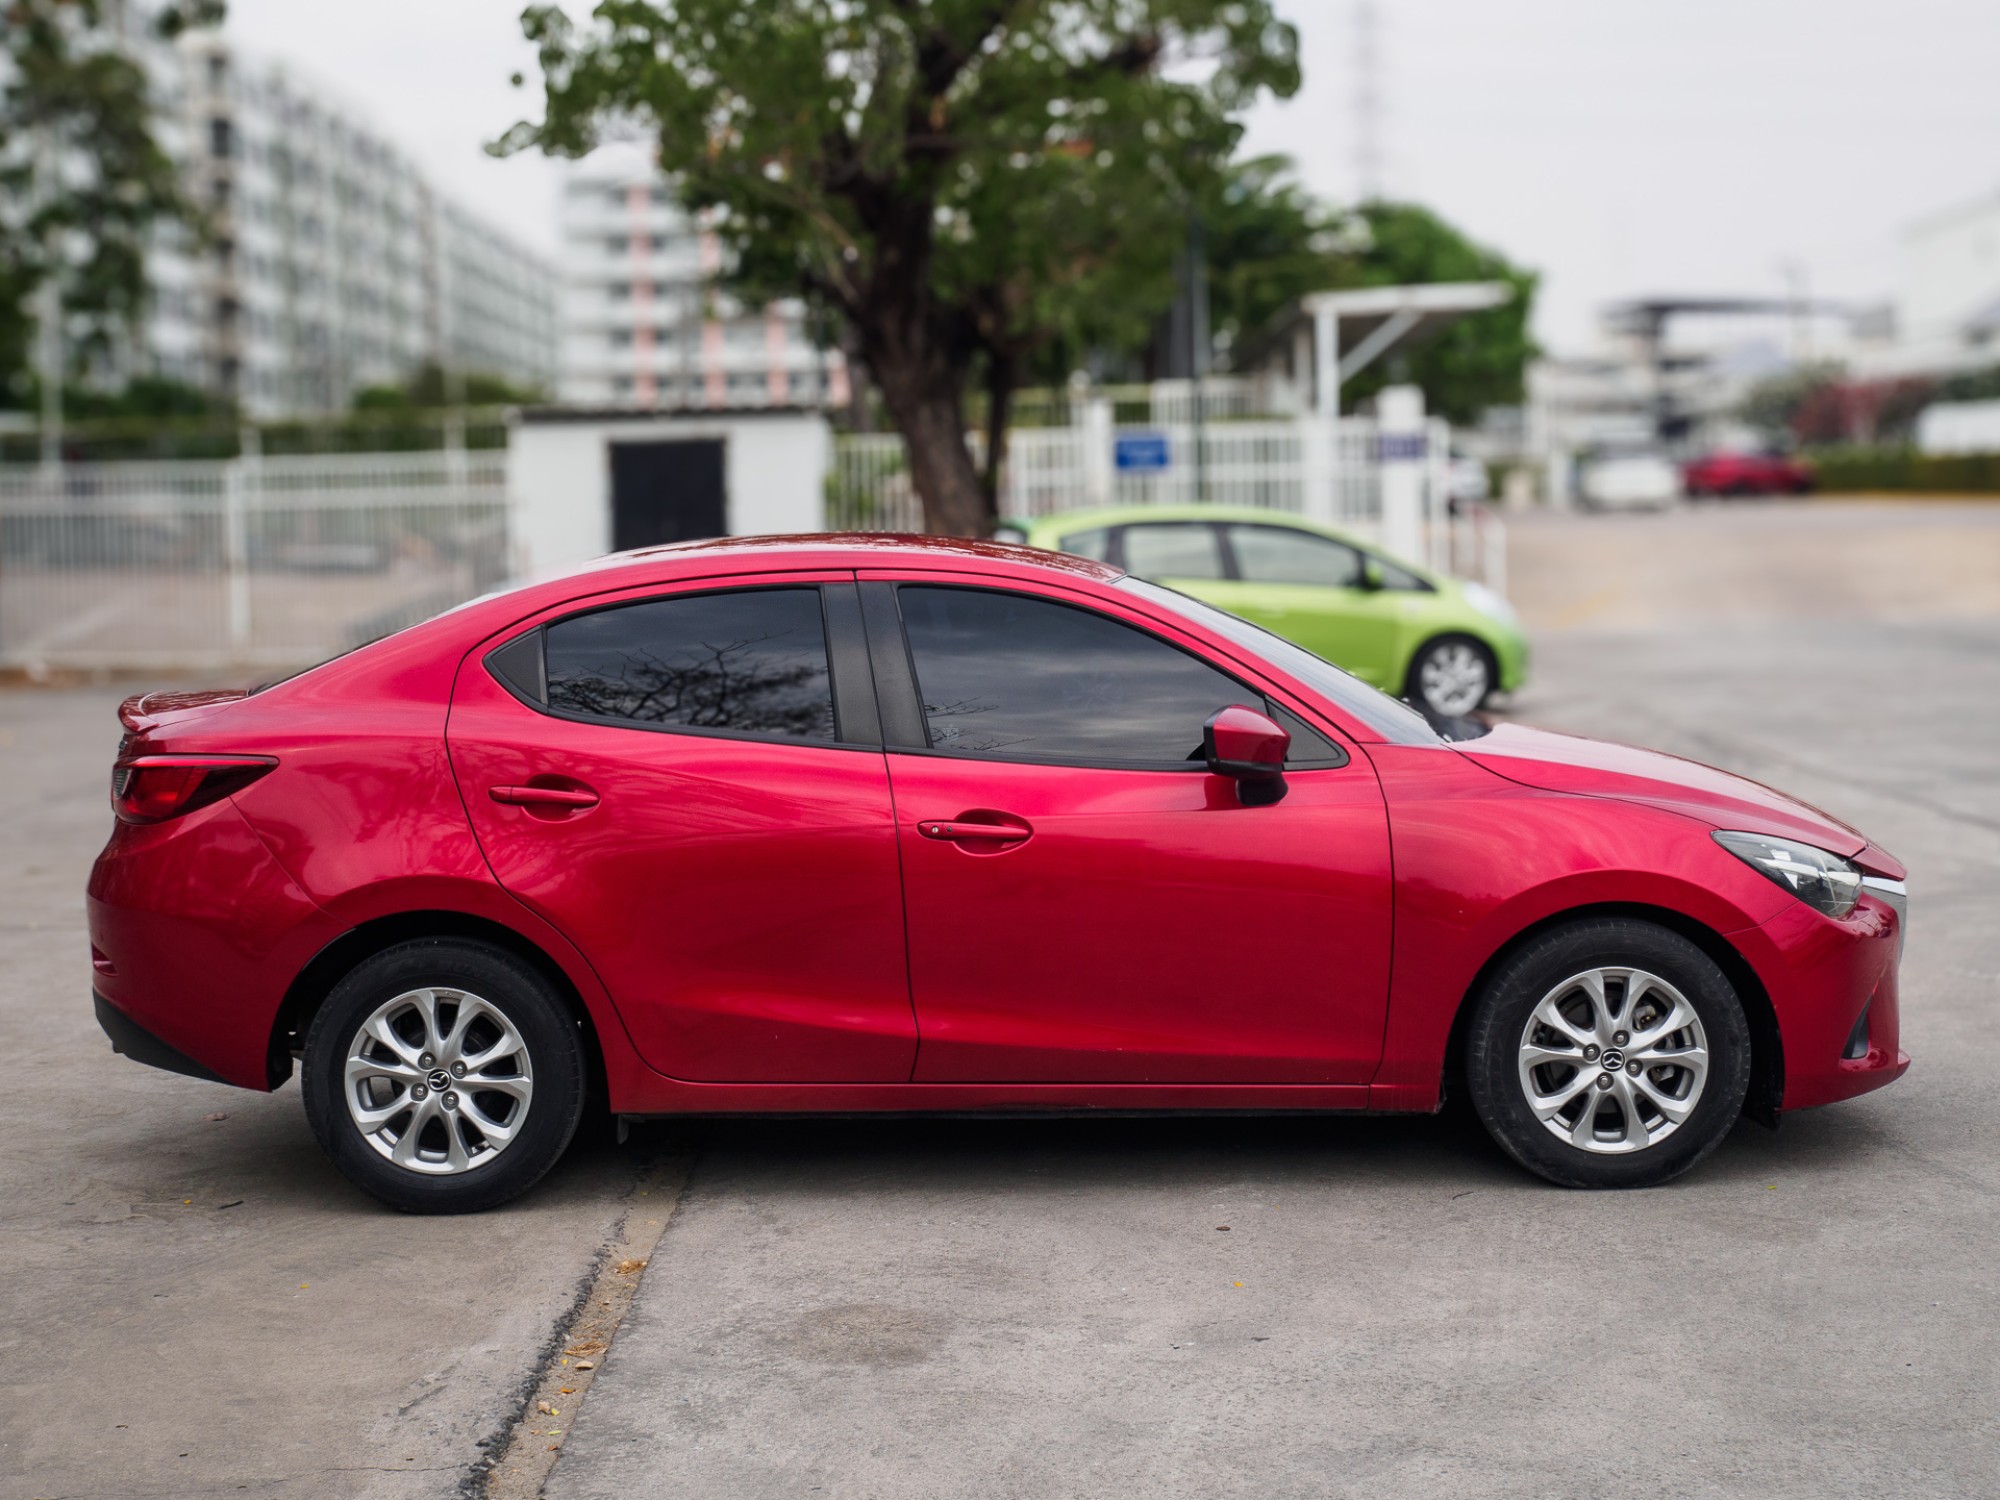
{"x":521,"y":1456}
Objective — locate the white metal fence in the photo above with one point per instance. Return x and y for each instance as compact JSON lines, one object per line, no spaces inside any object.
{"x":1304,"y":466}
{"x":253,"y":561}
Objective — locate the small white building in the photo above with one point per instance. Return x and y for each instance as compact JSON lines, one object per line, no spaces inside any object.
{"x":643,"y":324}
{"x":583,"y":483}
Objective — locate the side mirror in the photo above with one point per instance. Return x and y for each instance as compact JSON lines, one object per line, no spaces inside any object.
{"x":1371,"y":579}
{"x":1250,"y":749}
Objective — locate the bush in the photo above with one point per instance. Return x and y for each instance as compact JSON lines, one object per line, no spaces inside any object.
{"x":1904,"y":470}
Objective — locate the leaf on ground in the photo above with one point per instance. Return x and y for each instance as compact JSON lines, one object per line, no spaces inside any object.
{"x":629,"y":1267}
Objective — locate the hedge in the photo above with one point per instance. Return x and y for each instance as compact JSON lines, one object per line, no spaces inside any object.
{"x":1862,"y":470}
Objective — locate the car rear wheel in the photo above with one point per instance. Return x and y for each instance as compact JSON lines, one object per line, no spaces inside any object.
{"x":1608,"y":1053}
{"x":443,"y":1076}
{"x":1452,"y":675}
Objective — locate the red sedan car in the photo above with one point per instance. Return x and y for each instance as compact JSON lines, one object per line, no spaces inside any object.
{"x":1747,"y":474}
{"x":881,"y":824}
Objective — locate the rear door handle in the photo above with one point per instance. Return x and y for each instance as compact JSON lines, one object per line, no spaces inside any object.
{"x":543,"y":796}
{"x":953,"y":832}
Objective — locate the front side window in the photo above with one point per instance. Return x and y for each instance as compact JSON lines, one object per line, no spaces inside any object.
{"x":1094,"y":544}
{"x":747,"y":662}
{"x":1005,"y":674}
{"x":1173,"y":550}
{"x":1283,"y":554}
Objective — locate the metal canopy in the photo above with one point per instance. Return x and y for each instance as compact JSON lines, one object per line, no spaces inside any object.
{"x":1338,"y":334}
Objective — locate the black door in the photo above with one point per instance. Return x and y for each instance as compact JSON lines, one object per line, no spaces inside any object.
{"x":665,"y":492}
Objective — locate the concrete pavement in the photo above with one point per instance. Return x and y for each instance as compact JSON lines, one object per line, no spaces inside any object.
{"x":1330,"y":1307}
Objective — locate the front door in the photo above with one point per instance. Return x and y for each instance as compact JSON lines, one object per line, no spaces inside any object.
{"x":1085,"y":902}
{"x":1314,"y":591}
{"x":680,"y":784}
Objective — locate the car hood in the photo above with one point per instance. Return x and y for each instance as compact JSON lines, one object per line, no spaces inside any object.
{"x":1601,"y":768}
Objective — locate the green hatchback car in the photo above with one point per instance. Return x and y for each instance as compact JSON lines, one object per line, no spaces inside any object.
{"x":1445,"y":644}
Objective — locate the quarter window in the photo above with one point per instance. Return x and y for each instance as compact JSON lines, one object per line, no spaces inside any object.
{"x":747,"y":662}
{"x":1185,"y":550}
{"x":1003,"y":674}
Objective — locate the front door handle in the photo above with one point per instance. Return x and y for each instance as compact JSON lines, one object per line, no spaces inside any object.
{"x":954,"y":831}
{"x":573,"y":799}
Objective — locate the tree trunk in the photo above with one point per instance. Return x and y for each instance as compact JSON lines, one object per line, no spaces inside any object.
{"x":926,"y":398}
{"x":1000,"y":377}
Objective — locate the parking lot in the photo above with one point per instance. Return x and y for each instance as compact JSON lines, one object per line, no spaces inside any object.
{"x":1258,"y":1307}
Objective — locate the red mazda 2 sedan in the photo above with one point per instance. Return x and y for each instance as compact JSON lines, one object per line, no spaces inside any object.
{"x":896,"y":824}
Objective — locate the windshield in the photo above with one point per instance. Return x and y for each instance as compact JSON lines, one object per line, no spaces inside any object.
{"x":1397,"y":723}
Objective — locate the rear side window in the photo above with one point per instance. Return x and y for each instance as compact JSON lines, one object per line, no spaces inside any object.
{"x":1173,"y":550}
{"x":1007,"y":675}
{"x":751,"y":661}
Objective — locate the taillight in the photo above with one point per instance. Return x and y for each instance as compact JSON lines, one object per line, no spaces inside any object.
{"x":154,"y":788}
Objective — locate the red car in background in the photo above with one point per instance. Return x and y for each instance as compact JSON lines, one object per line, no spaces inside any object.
{"x":906,"y":824}
{"x":1747,"y":474}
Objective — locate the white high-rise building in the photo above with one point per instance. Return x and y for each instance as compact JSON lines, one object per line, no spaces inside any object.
{"x":331,"y":264}
{"x":643,"y":324}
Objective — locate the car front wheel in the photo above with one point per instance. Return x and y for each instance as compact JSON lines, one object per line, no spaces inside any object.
{"x":1608,"y":1053}
{"x":443,"y":1076}
{"x":1452,"y":675}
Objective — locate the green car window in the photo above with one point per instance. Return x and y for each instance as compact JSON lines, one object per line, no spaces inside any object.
{"x":1173,"y":549}
{"x":1280,"y":554}
{"x":1094,"y":544}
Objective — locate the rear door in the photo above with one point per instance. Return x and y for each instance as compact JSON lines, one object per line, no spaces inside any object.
{"x":689,"y":784}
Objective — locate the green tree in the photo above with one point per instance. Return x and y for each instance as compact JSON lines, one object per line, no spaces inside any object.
{"x":950,"y":178}
{"x":427,"y":388}
{"x":83,"y":181}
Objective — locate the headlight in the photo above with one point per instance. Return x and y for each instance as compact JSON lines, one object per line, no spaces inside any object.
{"x":1489,"y":604}
{"x":1825,"y":882}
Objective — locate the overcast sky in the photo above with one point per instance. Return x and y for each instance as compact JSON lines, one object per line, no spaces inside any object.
{"x":1619,"y":147}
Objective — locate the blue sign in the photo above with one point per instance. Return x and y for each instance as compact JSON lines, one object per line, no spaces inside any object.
{"x":1400,"y":447}
{"x":1142,"y":453}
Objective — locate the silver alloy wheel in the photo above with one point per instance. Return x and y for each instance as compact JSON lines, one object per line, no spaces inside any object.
{"x":1613,"y":1060}
{"x":439,"y":1081}
{"x":1454,"y":678}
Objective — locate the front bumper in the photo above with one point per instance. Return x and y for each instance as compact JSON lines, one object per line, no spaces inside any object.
{"x":1833,"y":990}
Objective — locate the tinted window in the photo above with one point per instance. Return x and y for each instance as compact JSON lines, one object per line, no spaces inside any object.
{"x":1006,"y":674}
{"x":752,"y":662}
{"x":1394,"y":577}
{"x":1397,"y":723}
{"x":1094,"y":544}
{"x":1279,"y":554}
{"x":1160,"y":550}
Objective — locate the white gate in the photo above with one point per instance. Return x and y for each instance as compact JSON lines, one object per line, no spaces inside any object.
{"x":275,"y":561}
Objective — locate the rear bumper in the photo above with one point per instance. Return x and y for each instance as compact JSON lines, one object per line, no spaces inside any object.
{"x":196,"y":936}
{"x":130,"y":1039}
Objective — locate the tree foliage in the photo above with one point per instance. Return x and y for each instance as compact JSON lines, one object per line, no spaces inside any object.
{"x":83,"y":180}
{"x":427,"y":388}
{"x":953,"y":179}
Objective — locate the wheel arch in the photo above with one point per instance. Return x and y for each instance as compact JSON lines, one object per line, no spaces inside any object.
{"x":1767,"y":1052}
{"x":309,"y":990}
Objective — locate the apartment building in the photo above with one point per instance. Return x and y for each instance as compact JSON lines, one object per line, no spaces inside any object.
{"x":643,"y":323}
{"x":331,"y":264}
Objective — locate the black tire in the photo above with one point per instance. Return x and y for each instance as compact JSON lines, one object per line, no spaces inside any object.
{"x":547,"y":1033}
{"x":1499,"y":1029}
{"x":1413,"y":682}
